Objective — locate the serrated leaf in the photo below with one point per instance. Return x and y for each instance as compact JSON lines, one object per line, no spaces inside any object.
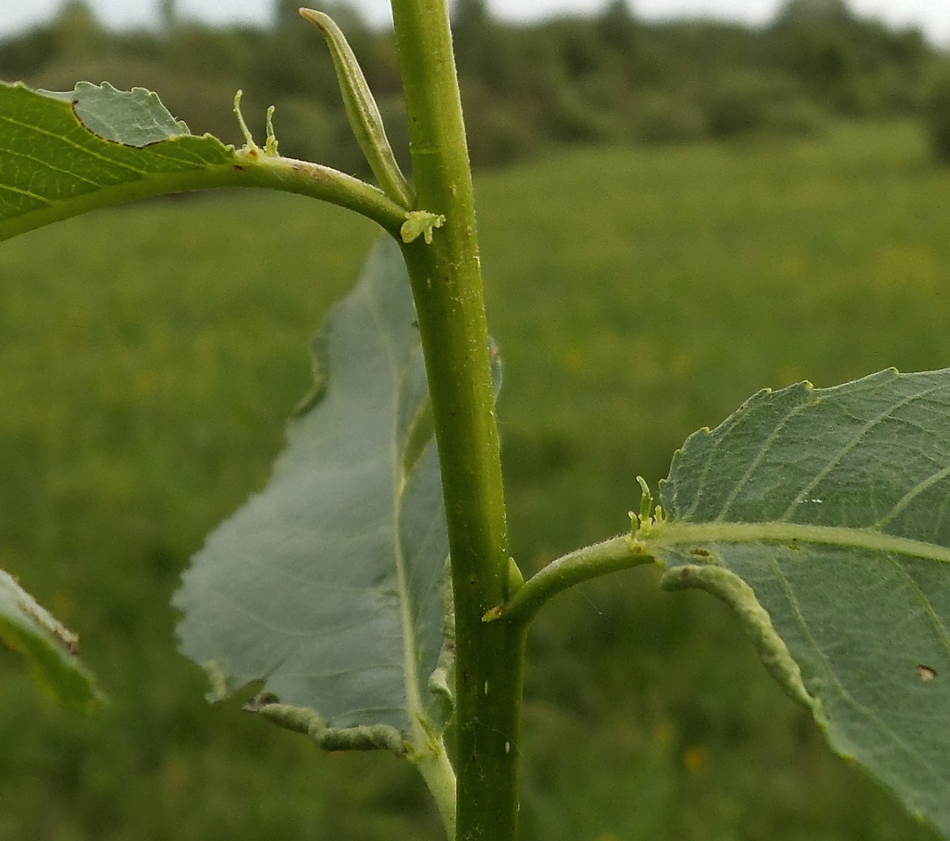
{"x":64,"y":154}
{"x":330,"y":585}
{"x":823,"y":516}
{"x":53,"y":650}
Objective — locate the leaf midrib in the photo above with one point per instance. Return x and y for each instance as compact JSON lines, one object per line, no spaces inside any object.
{"x":410,"y":673}
{"x":678,"y":533}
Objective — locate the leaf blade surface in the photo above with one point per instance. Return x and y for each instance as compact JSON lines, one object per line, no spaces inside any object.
{"x":66,"y":153}
{"x":330,"y":584}
{"x":823,"y":516}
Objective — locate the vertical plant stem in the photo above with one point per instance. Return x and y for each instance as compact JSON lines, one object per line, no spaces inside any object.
{"x":446,"y":280}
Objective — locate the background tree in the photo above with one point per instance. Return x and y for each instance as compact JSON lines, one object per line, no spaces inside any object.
{"x":607,"y":78}
{"x":617,"y":27}
{"x":168,"y":14}
{"x":814,"y":11}
{"x":77,"y":31}
{"x":937,"y":114}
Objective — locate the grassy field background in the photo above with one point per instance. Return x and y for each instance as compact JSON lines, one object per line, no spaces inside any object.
{"x":149,"y":357}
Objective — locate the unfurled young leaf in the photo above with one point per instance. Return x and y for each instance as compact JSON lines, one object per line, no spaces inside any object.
{"x":330,"y":585}
{"x":823,"y":517}
{"x":53,"y":650}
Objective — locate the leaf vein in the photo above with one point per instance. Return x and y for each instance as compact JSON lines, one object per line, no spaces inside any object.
{"x":912,"y":494}
{"x":21,"y":192}
{"x":760,"y":456}
{"x":854,"y":442}
{"x":63,"y":138}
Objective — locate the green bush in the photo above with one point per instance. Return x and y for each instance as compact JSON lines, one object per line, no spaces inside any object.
{"x":664,"y":118}
{"x":937,"y":114}
{"x":502,"y":131}
{"x":749,"y":102}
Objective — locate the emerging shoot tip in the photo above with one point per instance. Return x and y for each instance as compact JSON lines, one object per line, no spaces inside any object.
{"x":362,"y":111}
{"x":270,"y":145}
{"x":649,"y":516}
{"x":420,"y":223}
{"x":248,"y":138}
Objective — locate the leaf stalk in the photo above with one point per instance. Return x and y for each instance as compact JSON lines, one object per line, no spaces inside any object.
{"x":248,"y":168}
{"x":613,"y":555}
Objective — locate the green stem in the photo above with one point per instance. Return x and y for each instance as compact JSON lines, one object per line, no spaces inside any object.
{"x":590,"y":562}
{"x":446,"y":281}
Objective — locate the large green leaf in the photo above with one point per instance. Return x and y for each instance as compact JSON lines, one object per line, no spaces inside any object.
{"x":330,"y":585}
{"x":823,"y":516}
{"x":63,"y":154}
{"x":51,"y":647}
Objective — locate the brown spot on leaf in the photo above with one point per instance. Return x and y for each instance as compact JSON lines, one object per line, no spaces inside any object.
{"x":926,"y":674}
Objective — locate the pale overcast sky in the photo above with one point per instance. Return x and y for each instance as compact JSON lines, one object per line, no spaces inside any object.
{"x":933,"y":16}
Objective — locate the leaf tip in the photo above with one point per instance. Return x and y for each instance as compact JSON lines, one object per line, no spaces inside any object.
{"x":313,"y":16}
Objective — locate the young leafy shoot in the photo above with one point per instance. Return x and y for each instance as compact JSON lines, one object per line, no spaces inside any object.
{"x":331,"y":585}
{"x":64,"y":154}
{"x":53,"y":650}
{"x":362,"y":111}
{"x":823,"y":517}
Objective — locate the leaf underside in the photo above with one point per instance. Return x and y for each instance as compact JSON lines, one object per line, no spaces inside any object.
{"x":823,"y":516}
{"x":329,"y":586}
{"x":67,"y":153}
{"x":28,"y":628}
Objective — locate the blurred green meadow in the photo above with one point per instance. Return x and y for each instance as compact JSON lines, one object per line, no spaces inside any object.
{"x":148,"y":359}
